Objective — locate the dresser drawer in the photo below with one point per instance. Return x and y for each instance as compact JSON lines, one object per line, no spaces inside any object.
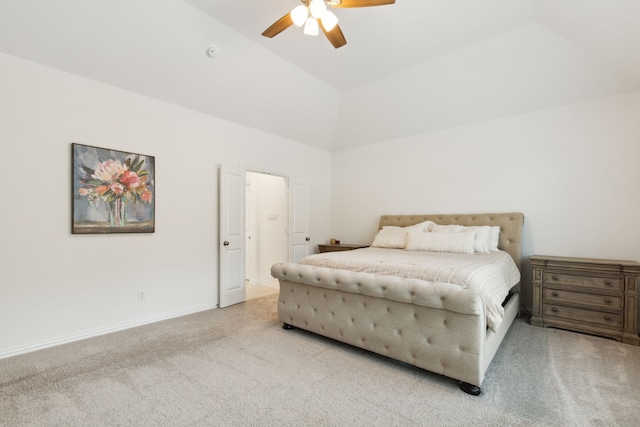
{"x":612,"y":302}
{"x":591,"y":282}
{"x":613,"y":320}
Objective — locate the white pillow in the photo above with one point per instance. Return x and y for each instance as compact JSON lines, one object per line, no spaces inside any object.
{"x":437,"y":228}
{"x":486,"y":239}
{"x":395,"y":237}
{"x":391,"y":237}
{"x":423,"y":226}
{"x":440,"y":242}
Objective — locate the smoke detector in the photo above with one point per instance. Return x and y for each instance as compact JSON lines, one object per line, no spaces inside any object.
{"x":213,"y":51}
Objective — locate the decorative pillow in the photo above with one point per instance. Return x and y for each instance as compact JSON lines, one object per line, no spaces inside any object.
{"x":391,"y":237}
{"x":440,"y":242}
{"x":437,"y":228}
{"x":486,"y":239}
{"x":423,"y":226}
{"x":494,"y":238}
{"x":395,"y":237}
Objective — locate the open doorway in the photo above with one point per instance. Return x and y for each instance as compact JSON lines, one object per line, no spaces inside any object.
{"x":233,"y":237}
{"x":266,"y":231}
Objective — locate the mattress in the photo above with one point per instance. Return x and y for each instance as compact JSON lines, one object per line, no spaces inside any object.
{"x":492,"y":275}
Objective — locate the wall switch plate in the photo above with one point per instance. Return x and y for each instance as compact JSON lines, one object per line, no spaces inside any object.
{"x":141,"y":295}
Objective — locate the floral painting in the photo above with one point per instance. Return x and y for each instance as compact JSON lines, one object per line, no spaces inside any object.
{"x":113,"y":191}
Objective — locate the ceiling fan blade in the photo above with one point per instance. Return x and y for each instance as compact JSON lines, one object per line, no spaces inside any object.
{"x":279,"y":26}
{"x":335,"y":36}
{"x":363,"y":3}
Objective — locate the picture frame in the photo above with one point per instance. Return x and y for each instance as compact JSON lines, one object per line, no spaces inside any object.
{"x":112,"y":191}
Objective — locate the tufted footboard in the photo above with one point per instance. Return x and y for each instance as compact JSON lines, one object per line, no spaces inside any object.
{"x":435,"y":326}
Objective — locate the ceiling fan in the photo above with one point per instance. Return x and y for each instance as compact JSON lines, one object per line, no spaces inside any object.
{"x":314,"y":15}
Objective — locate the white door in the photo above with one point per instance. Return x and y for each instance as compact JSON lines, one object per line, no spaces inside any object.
{"x":232,"y":236}
{"x":299,"y":231}
{"x":250,"y":230}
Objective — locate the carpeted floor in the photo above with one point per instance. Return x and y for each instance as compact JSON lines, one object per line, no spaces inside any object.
{"x":258,"y":291}
{"x":238,"y":367}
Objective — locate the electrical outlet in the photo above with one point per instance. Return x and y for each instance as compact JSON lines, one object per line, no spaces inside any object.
{"x":141,"y":295}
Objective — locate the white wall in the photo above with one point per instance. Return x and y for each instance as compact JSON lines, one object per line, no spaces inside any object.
{"x":55,"y":286}
{"x":572,"y":170}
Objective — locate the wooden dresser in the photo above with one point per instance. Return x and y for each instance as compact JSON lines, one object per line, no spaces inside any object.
{"x":595,"y":296}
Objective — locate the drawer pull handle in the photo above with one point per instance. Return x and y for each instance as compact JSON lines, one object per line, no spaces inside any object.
{"x":555,"y":310}
{"x":555,"y":277}
{"x":607,"y":318}
{"x":608,"y":301}
{"x":607,"y":282}
{"x":555,"y":294}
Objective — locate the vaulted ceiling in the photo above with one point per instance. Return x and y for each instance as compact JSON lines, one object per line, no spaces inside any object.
{"x":409,"y":68}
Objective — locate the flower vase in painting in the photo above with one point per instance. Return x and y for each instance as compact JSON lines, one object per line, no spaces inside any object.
{"x":118,"y":213}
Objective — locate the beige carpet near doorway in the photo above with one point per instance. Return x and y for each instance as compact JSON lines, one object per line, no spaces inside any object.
{"x":238,"y":367}
{"x":258,"y":291}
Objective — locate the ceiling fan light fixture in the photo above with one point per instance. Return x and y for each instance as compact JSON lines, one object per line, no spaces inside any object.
{"x":329,"y":20}
{"x":317,"y":8}
{"x":311,"y":27}
{"x":299,"y":15}
{"x":313,"y":13}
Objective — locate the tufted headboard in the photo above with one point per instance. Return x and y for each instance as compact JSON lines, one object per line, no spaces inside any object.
{"x":510,"y":227}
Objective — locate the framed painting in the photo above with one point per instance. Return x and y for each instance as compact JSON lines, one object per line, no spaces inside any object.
{"x":113,"y":191}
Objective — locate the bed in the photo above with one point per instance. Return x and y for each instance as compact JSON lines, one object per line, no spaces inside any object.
{"x":413,"y":313}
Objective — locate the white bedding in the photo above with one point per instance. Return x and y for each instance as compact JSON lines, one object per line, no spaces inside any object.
{"x":491,"y":274}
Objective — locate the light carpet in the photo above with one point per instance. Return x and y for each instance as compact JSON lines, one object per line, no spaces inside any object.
{"x":237,"y":367}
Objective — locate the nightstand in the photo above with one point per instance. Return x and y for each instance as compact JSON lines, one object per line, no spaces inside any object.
{"x":340,"y":247}
{"x":594,"y":296}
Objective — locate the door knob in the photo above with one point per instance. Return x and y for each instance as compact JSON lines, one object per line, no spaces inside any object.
{"x":226,"y":243}
{"x":307,"y":238}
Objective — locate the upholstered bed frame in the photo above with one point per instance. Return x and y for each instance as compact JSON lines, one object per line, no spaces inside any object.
{"x":405,"y":319}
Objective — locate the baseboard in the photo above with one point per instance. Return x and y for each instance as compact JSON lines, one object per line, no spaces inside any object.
{"x":103,"y":331}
